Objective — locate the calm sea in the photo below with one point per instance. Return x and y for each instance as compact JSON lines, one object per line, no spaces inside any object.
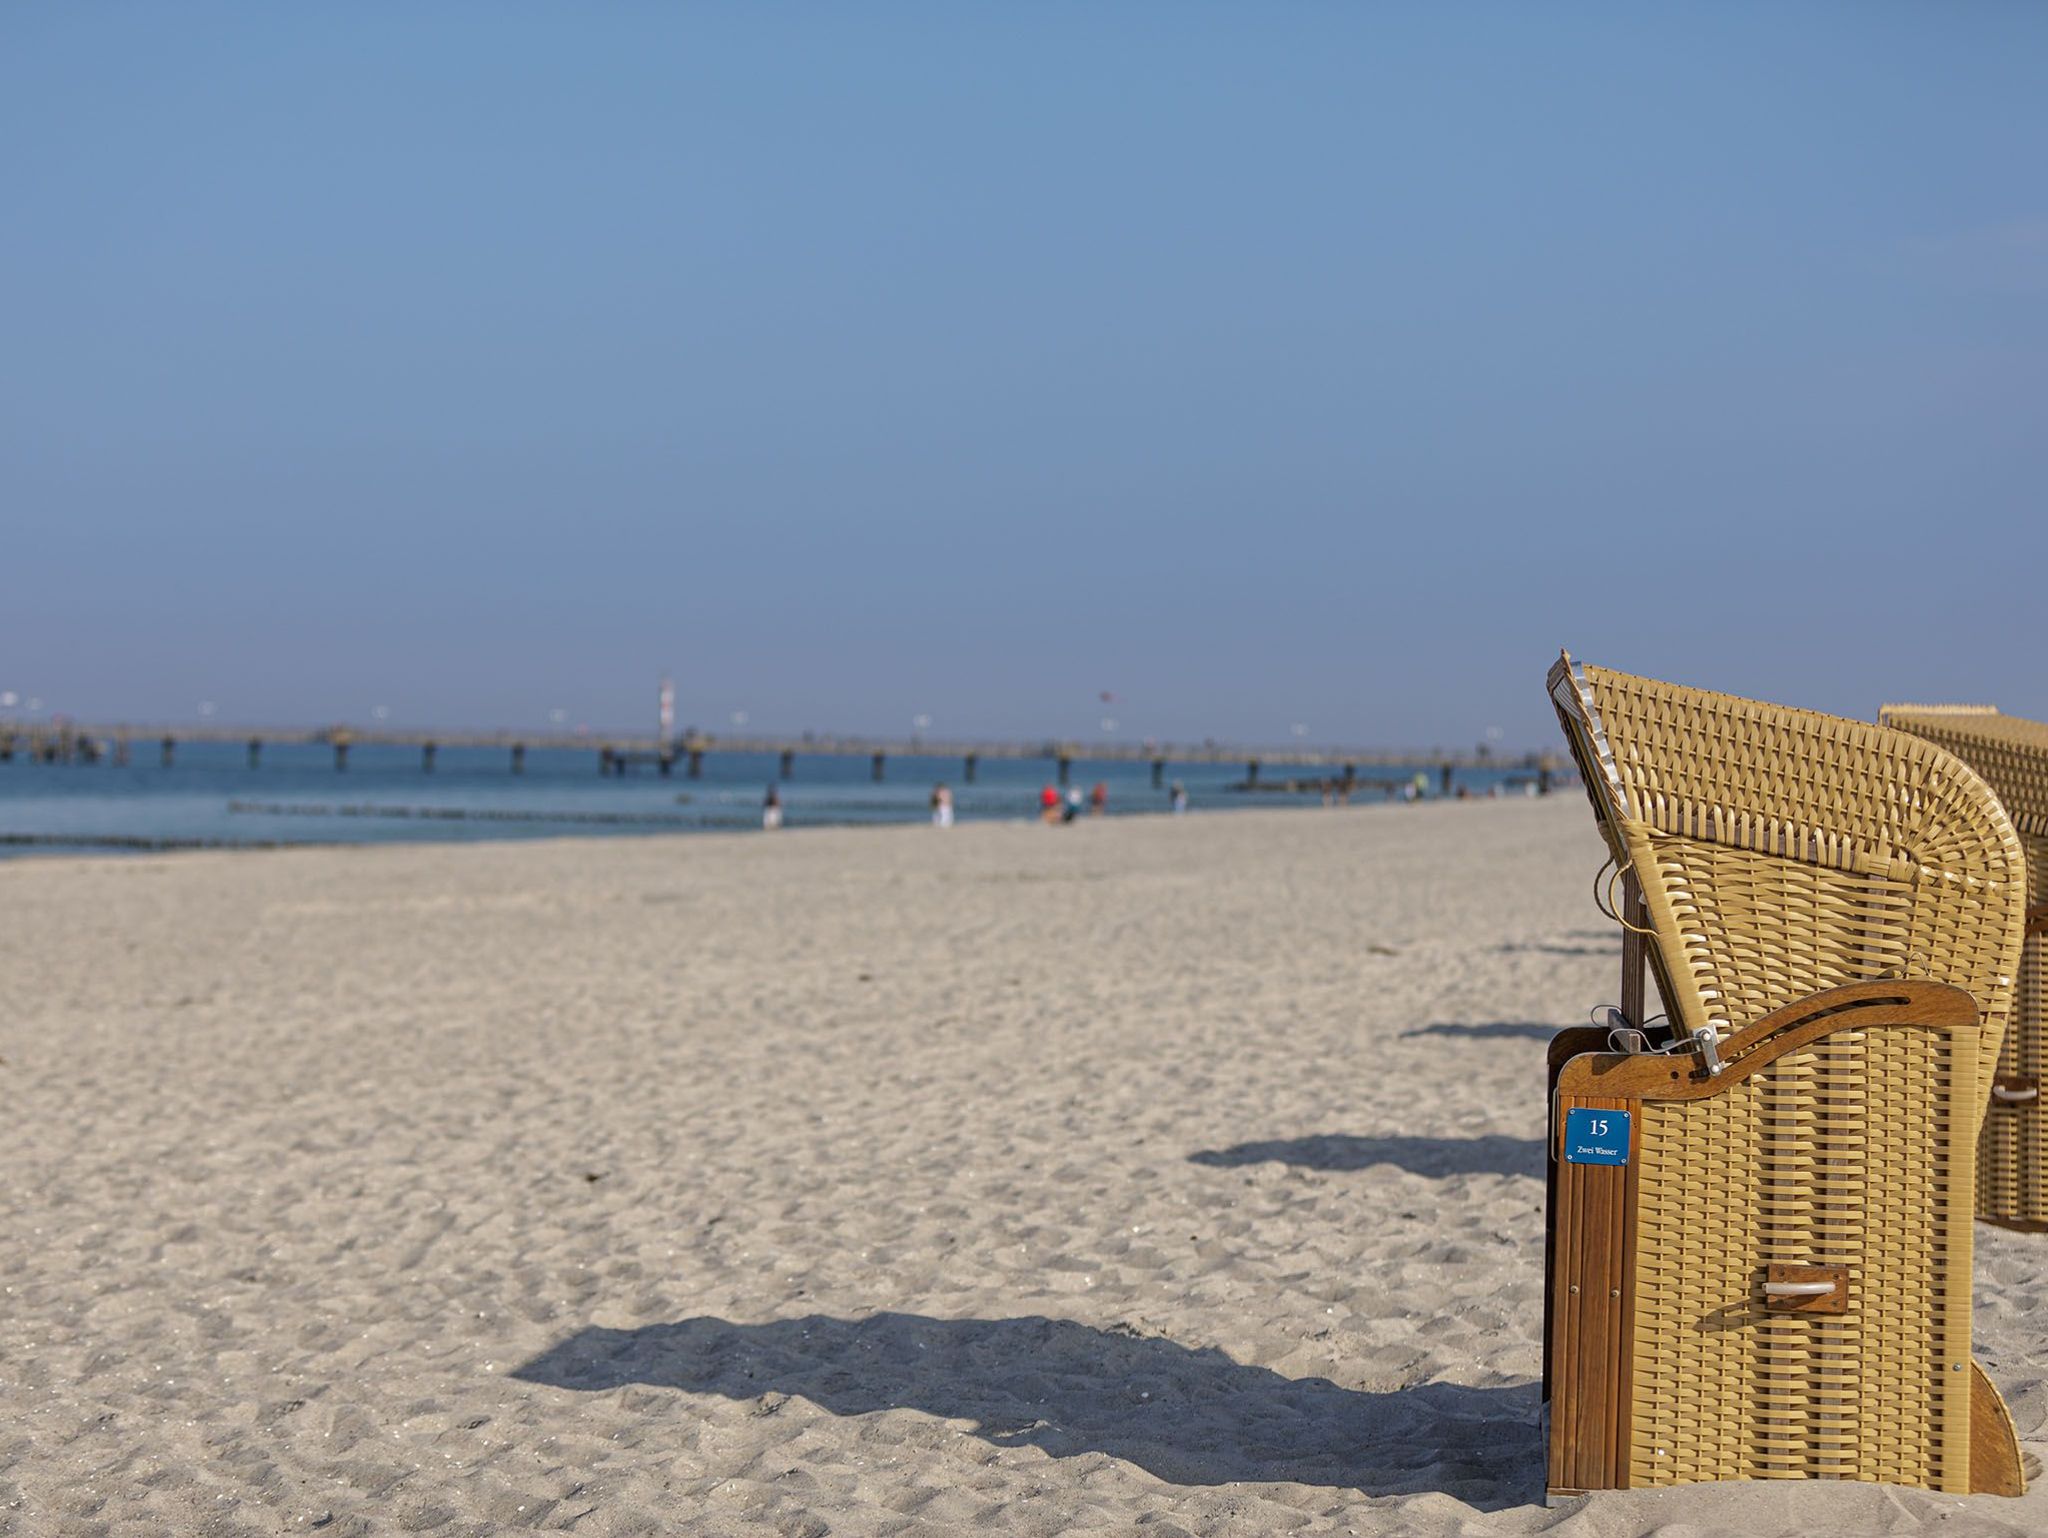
{"x":210,"y":796}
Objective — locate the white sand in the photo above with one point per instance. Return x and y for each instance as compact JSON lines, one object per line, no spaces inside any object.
{"x":1156,"y":1176}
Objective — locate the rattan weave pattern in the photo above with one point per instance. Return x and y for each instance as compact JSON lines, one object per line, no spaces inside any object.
{"x":1834,"y":1156}
{"x":2011,"y":754}
{"x":1781,"y":853}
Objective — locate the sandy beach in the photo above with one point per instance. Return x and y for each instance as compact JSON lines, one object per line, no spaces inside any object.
{"x":1161,"y":1176}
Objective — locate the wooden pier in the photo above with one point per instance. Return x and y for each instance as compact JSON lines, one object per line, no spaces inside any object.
{"x":618,"y":753}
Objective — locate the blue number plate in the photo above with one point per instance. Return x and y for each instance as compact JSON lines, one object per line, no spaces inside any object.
{"x":1595,"y":1137}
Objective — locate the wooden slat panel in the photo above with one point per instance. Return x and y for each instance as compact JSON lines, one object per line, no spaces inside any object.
{"x":1633,"y":959}
{"x":1592,"y":1215}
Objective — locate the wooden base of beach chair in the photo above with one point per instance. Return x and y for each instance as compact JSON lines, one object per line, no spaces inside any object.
{"x":1765,"y":1272}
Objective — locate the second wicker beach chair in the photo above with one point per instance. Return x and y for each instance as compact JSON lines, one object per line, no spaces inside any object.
{"x":2011,"y":754}
{"x":1759,"y":1248}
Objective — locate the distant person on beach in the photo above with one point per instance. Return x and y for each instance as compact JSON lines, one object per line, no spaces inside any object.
{"x":771,"y":809}
{"x":1177,"y":798}
{"x":1049,"y":805}
{"x":1073,"y":806}
{"x":942,"y":805}
{"x":1098,"y":799}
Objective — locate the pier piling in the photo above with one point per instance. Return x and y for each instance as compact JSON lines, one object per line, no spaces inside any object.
{"x":78,"y":742}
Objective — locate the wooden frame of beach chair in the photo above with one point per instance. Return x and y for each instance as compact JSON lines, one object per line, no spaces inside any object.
{"x":2010,"y":754}
{"x":1758,"y":1257}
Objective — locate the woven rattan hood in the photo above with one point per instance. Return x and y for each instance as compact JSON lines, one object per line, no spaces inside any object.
{"x":2009,"y":752}
{"x":1783,"y":851}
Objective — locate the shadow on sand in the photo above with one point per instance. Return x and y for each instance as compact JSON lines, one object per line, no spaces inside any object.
{"x":1491,"y":1030}
{"x":1493,"y":1154}
{"x":1188,"y":1415}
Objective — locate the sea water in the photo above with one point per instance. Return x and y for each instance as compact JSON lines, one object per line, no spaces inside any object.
{"x":210,"y":795}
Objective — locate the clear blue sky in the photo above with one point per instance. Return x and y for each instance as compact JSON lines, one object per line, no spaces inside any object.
{"x":1264,"y":364}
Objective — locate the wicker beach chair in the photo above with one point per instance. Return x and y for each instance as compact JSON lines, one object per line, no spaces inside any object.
{"x":2011,"y":755}
{"x":1758,"y":1258}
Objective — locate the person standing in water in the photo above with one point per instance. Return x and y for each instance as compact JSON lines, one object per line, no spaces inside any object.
{"x":1177,"y":798}
{"x":771,"y":809}
{"x":942,"y":805}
